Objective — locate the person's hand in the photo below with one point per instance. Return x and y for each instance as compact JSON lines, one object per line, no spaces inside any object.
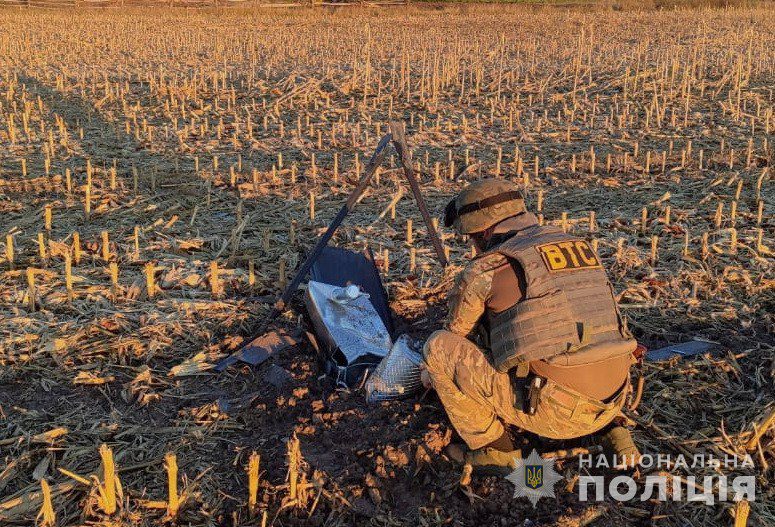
{"x":425,"y":377}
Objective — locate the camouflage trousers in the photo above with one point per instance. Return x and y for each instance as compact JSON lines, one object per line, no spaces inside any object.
{"x":479,"y":400}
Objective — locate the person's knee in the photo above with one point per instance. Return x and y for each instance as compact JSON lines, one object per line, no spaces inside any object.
{"x":436,"y":350}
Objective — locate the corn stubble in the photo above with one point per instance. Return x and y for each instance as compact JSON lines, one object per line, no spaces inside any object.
{"x":158,"y":167}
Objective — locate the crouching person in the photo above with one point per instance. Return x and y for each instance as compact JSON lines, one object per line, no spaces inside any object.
{"x":534,"y":338}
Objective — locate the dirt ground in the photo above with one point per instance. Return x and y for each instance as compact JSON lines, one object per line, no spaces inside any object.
{"x":163,"y":172}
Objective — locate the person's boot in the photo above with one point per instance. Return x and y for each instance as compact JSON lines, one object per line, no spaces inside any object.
{"x":491,"y":462}
{"x":617,"y":441}
{"x":485,"y":461}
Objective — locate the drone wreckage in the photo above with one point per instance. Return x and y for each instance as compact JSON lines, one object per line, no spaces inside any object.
{"x":347,"y":304}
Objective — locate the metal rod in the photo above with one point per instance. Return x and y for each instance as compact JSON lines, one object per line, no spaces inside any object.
{"x":371,"y":168}
{"x":399,"y":142}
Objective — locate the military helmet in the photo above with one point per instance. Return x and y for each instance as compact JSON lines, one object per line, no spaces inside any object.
{"x":482,"y":204}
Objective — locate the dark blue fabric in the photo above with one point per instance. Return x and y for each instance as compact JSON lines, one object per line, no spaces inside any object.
{"x":685,"y":349}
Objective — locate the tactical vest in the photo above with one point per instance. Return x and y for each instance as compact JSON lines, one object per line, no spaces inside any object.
{"x":569,"y":314}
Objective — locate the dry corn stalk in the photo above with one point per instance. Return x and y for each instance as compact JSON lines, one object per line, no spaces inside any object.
{"x":46,"y":517}
{"x":9,"y":254}
{"x":742,"y":510}
{"x":298,"y":486}
{"x":173,"y":500}
{"x":150,"y":281}
{"x":215,"y":281}
{"x":44,"y":437}
{"x":31,"y":289}
{"x":760,"y":430}
{"x":109,"y":491}
{"x":253,"y":471}
{"x":294,"y":462}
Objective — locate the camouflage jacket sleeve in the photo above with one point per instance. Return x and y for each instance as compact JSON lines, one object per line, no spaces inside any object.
{"x":472,"y":289}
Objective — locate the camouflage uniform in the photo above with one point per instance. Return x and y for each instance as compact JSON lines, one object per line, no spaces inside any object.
{"x":477,"y":397}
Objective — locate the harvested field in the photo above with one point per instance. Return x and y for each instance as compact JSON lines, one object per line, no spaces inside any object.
{"x":162,"y":173}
